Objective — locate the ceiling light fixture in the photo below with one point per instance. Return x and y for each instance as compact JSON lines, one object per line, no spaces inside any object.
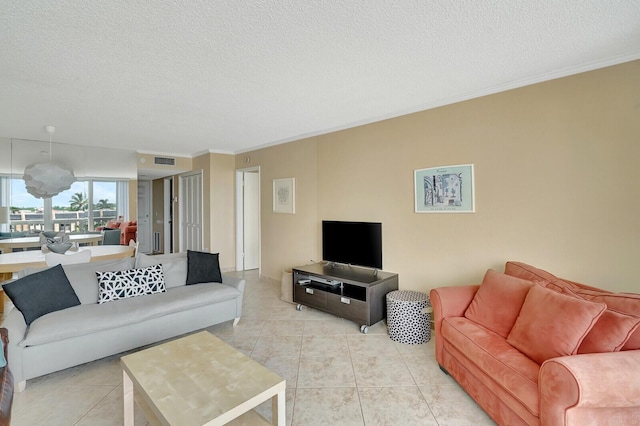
{"x":45,"y":180}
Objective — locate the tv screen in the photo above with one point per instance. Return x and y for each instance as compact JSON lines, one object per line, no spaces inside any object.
{"x":353,"y":243}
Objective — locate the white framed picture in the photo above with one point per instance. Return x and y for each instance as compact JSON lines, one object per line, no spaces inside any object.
{"x":446,"y":189}
{"x":284,"y":195}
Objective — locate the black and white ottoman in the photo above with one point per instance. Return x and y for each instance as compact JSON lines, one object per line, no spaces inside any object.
{"x":407,"y":320}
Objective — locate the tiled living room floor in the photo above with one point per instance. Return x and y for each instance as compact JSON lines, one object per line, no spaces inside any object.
{"x":335,"y":375}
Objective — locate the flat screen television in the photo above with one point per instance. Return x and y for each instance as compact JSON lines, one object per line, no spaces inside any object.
{"x":352,"y":243}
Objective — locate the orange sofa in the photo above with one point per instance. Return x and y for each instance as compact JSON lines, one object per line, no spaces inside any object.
{"x":128,"y":230}
{"x":534,"y":349}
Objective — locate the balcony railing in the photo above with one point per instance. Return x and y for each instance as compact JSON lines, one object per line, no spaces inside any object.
{"x":62,"y":221}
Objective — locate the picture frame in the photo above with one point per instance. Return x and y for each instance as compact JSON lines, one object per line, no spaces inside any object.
{"x":284,"y":195}
{"x":445,"y":189}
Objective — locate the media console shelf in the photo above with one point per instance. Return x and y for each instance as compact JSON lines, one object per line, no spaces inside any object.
{"x":346,"y":291}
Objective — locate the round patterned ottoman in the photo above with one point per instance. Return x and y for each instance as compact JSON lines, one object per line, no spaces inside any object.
{"x":406,"y":320}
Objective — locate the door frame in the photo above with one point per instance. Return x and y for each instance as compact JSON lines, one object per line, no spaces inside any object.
{"x":240,"y":218}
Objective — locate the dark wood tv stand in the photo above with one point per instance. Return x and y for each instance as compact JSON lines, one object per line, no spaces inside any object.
{"x":354,"y":293}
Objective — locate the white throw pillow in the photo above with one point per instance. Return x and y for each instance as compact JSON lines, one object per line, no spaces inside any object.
{"x":114,"y":285}
{"x":174,"y":266}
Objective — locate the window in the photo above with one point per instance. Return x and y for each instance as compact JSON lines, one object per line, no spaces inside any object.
{"x":87,"y":205}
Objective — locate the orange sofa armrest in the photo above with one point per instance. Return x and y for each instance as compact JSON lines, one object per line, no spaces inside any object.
{"x":449,"y":302}
{"x":590,"y":389}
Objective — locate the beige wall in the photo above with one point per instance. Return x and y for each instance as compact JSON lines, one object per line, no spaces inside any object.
{"x":133,"y":200}
{"x":222,"y":206}
{"x":287,"y":239}
{"x":218,"y":173}
{"x":556,"y":185}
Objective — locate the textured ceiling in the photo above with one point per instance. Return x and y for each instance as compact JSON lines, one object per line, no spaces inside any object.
{"x":181,"y":77}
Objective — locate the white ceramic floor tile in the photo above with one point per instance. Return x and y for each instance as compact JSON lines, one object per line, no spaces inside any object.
{"x":65,"y":406}
{"x":321,"y":407}
{"x":244,"y":344}
{"x":451,"y":405}
{"x":329,"y":345}
{"x":245,"y":327}
{"x":287,"y":313}
{"x":325,"y":372}
{"x":283,"y":328}
{"x":285,"y":366}
{"x":399,"y":406}
{"x":381,"y":371}
{"x":371,"y":345}
{"x":110,"y":412}
{"x":270,"y":346}
{"x":425,"y":370}
{"x":326,"y":326}
{"x":335,"y":374}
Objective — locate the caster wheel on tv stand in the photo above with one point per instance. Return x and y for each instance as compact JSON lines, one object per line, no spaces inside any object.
{"x":364,"y":329}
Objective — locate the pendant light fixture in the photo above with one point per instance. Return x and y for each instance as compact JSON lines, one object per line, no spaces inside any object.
{"x":45,"y":180}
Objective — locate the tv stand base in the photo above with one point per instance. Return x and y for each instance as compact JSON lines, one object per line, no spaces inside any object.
{"x":351,"y":293}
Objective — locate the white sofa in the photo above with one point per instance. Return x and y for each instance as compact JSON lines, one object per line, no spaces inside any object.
{"x":91,"y":331}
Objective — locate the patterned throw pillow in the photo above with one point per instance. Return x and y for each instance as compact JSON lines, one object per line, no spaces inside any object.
{"x":114,"y":285}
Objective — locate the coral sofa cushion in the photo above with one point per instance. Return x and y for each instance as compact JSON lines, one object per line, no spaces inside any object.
{"x":531,"y":273}
{"x":627,"y":303}
{"x":497,"y":302}
{"x":551,"y":324}
{"x":610,"y":333}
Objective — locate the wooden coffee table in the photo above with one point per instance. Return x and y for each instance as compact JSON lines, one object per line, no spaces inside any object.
{"x":199,"y":380}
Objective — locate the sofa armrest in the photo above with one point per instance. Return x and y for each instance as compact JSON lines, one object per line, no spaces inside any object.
{"x":6,"y":384}
{"x":235,"y":282}
{"x":128,"y":232}
{"x":449,"y":302}
{"x":238,"y":284}
{"x":590,"y":389}
{"x":17,"y":328}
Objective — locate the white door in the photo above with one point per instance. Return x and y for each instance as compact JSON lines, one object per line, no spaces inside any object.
{"x":191,"y":212}
{"x":247,"y":219}
{"x":144,"y":215}
{"x":251,"y":220}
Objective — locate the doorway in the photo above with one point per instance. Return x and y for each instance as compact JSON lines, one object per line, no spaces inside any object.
{"x":144,"y":214}
{"x":169,"y":202}
{"x":248,"y":219}
{"x":191,"y":230}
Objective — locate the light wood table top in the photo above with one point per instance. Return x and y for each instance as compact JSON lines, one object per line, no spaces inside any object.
{"x":199,"y":380}
{"x":7,"y":244}
{"x":19,"y":260}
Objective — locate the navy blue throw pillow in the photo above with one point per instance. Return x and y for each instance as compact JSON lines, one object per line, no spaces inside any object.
{"x":41,"y":293}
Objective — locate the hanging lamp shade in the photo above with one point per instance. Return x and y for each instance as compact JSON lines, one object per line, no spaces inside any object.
{"x":47,"y":179}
